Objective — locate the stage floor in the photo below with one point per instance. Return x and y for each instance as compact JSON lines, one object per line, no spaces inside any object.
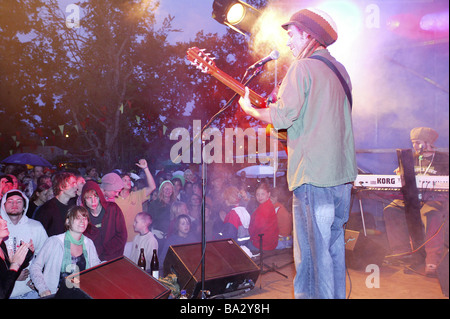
{"x":394,"y":283}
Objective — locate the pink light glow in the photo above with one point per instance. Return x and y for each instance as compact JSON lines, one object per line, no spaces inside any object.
{"x":437,"y":22}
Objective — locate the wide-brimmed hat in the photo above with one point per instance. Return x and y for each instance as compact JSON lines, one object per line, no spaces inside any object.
{"x":316,"y":23}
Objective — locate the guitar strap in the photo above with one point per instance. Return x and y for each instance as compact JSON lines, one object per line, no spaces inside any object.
{"x":338,"y":74}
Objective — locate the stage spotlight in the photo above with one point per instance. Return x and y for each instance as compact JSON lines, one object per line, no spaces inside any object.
{"x":235,"y":14}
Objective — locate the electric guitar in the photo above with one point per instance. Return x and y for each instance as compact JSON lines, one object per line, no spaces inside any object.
{"x":205,"y":63}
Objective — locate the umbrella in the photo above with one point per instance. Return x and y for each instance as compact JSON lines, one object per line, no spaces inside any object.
{"x":27,"y":158}
{"x":259,"y":171}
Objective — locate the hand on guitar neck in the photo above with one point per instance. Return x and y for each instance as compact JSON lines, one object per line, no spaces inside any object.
{"x":262,"y":114}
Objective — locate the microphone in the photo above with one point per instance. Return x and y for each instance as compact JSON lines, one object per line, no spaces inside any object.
{"x":274,"y":55}
{"x":421,"y":147}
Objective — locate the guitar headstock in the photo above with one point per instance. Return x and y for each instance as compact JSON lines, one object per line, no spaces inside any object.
{"x":201,"y":60}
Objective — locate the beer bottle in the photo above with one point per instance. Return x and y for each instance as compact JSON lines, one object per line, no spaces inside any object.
{"x":141,"y":261}
{"x":154,"y":265}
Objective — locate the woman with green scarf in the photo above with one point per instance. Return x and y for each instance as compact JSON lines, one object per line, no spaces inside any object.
{"x":64,"y":254}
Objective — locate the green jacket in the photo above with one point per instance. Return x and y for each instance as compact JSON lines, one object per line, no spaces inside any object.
{"x":313,"y":107}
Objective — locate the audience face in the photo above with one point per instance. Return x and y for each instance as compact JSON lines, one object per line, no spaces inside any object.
{"x":45,"y":195}
{"x":92,"y":200}
{"x":80,"y":183}
{"x":92,"y":174}
{"x":262,"y":195}
{"x":207,"y":213}
{"x":184,"y":226}
{"x":111,"y":195}
{"x":167,"y":190}
{"x":154,"y":195}
{"x":188,"y":187}
{"x":140,"y":226}
{"x":188,"y":176}
{"x":196,"y":189}
{"x":5,"y":186}
{"x":182,"y":210}
{"x":79,"y":223}
{"x":196,"y":200}
{"x":15,"y":182}
{"x":46,"y":179}
{"x":14,"y":205}
{"x":38,"y":171}
{"x":217,"y":183}
{"x":126,"y":182}
{"x":177,"y":185}
{"x":273,"y":198}
{"x":70,"y":188}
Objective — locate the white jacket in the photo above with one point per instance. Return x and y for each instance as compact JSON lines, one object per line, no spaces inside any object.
{"x":25,"y":230}
{"x":50,"y":260}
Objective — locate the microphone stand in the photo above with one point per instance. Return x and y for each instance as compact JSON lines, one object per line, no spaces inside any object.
{"x":258,"y":70}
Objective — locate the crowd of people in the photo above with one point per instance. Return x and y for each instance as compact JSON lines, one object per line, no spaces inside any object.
{"x":55,"y":223}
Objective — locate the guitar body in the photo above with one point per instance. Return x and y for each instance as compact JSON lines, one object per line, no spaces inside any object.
{"x":206,"y":64}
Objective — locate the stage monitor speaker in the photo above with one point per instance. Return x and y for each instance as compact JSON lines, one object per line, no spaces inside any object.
{"x":119,"y":278}
{"x":227,"y":267}
{"x":442,"y":273}
{"x":361,"y":251}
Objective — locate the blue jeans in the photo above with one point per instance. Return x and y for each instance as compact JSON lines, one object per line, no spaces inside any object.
{"x":319,"y":248}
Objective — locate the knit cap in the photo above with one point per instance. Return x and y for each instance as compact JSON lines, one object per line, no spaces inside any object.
{"x":316,"y":23}
{"x":112,"y":182}
{"x":15,"y":193}
{"x":425,"y":134}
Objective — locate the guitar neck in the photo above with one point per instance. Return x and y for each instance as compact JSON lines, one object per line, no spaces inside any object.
{"x":206,"y":64}
{"x":238,"y":87}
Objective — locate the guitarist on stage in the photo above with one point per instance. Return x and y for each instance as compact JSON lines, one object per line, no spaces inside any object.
{"x":314,"y":105}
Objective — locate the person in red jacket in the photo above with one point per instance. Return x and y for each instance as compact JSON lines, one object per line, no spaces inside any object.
{"x":106,"y":227}
{"x":264,"y":220}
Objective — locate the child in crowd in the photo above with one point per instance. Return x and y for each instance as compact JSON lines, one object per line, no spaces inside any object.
{"x":144,"y":239}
